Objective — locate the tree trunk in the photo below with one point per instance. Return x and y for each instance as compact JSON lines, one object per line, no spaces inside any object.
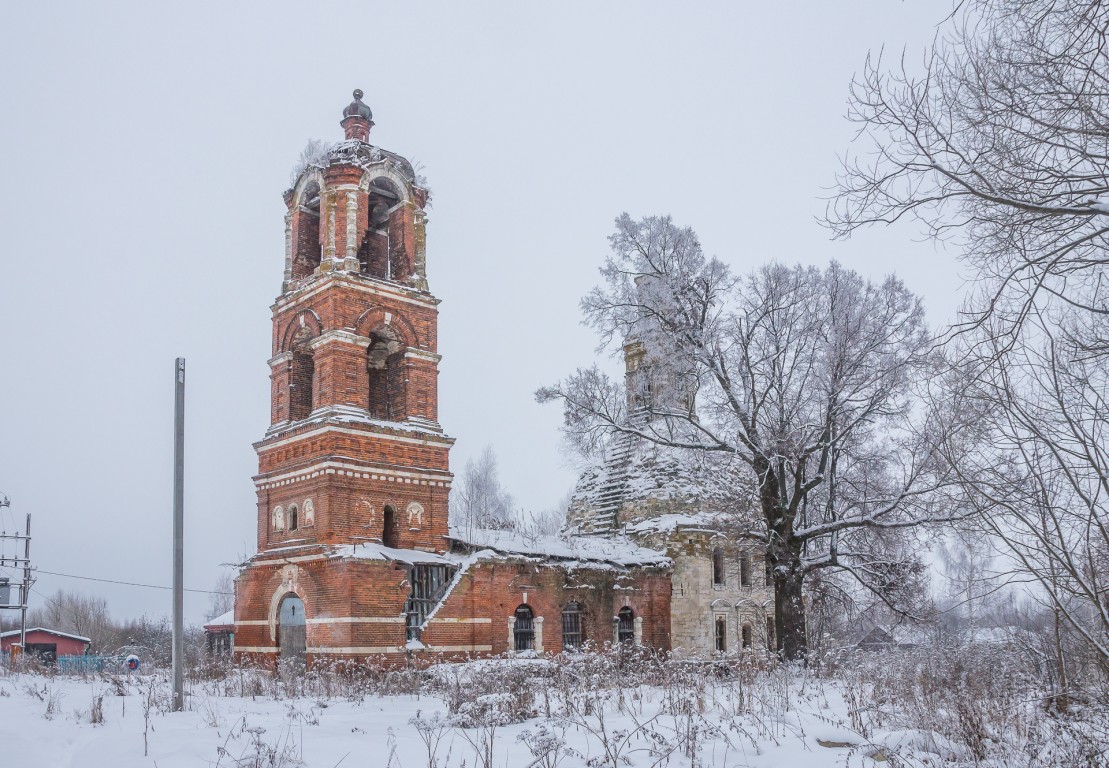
{"x":789,"y":605}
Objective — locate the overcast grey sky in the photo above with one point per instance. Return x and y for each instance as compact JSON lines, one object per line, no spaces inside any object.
{"x":146,"y":147}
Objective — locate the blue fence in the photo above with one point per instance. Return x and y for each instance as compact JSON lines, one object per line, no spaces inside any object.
{"x":80,"y":665}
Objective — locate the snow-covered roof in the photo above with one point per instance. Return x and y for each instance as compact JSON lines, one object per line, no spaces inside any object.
{"x":375,"y":551}
{"x":638,"y":478}
{"x":15,"y":633}
{"x":223,"y":620}
{"x":615,"y":550}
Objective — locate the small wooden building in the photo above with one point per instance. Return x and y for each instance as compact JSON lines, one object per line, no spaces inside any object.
{"x":220,"y":633}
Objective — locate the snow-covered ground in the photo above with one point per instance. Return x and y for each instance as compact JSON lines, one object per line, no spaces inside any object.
{"x":496,"y":713}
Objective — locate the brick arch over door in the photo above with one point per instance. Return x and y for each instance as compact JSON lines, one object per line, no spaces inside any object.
{"x":301,"y":585}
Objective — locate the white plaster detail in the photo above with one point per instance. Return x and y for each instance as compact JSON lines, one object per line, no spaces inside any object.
{"x":279,"y":518}
{"x":352,"y":225}
{"x":309,"y":510}
{"x":415,"y":514}
{"x":290,"y":585}
{"x":538,"y":624}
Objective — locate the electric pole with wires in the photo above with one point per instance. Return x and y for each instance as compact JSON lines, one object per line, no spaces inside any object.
{"x":17,"y":563}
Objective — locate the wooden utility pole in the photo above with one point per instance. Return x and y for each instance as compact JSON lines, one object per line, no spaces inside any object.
{"x":179,"y":536}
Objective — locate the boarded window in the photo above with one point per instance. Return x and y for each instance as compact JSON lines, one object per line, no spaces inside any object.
{"x":625,"y":626}
{"x":523,"y":632}
{"x":572,"y":636}
{"x":721,"y":634}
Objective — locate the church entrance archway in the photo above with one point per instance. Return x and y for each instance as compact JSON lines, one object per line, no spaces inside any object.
{"x":291,"y":630}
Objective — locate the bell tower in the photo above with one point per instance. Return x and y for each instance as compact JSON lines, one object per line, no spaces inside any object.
{"x":354,"y":465}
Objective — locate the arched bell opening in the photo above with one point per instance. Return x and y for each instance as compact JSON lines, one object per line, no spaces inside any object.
{"x":306,"y":232}
{"x":385,"y":363}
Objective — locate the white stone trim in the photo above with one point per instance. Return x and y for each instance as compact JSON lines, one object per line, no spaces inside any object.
{"x":421,"y":354}
{"x":397,"y":292}
{"x":459,"y":648}
{"x":357,"y":649}
{"x":438,"y":440}
{"x":359,"y":620}
{"x":469,"y":620}
{"x":254,"y":649}
{"x":252,"y":623}
{"x":353,"y":470}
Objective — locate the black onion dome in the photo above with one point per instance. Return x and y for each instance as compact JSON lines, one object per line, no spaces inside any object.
{"x":356,"y":108}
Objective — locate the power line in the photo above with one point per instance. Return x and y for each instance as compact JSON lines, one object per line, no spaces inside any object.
{"x":129,"y":583}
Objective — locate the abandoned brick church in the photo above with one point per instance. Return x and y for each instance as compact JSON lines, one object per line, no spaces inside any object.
{"x":355,"y":557}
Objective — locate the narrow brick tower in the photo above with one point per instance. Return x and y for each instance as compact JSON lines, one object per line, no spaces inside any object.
{"x":352,"y":474}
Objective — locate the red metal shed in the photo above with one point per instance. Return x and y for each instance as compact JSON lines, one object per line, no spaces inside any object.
{"x":47,"y":644}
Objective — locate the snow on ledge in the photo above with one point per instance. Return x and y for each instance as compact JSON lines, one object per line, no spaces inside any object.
{"x":616,"y":550}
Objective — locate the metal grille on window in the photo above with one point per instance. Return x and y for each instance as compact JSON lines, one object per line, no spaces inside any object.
{"x":626,"y":627}
{"x":428,"y":584}
{"x":571,"y":626}
{"x":523,"y":631}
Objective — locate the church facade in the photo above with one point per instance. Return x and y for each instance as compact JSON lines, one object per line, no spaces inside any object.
{"x":355,"y":556}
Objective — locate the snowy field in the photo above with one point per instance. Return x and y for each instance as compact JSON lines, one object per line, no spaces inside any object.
{"x":521,"y":713}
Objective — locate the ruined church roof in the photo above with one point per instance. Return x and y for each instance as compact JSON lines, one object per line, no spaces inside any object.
{"x":638,"y":480}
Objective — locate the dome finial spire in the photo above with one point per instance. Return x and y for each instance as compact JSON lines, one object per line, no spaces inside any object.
{"x":357,"y":119}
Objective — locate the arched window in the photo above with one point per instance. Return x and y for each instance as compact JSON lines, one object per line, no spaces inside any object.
{"x":385,"y":362}
{"x":572,"y":636}
{"x":625,"y":627}
{"x":744,"y":569}
{"x":389,"y":527}
{"x":302,"y":375}
{"x":306,"y":232}
{"x":746,"y":635}
{"x":523,"y":631}
{"x":293,"y":517}
{"x":279,"y":518}
{"x":717,"y":565}
{"x":722,"y":634}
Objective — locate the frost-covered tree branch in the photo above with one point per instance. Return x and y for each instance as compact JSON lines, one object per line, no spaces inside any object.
{"x":810,"y":378}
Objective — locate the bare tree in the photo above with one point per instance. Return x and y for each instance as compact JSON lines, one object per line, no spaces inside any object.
{"x":477,"y":498}
{"x":1000,"y":141}
{"x":805,"y":376}
{"x":1038,"y":471}
{"x":79,"y":614}
{"x":222,"y":598}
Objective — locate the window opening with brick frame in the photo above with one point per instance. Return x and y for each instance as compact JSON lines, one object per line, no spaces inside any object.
{"x":746,"y":635}
{"x":385,"y":363}
{"x":572,"y":636}
{"x":523,"y":630}
{"x":389,"y":527}
{"x":381,"y":253}
{"x":293,"y":515}
{"x":770,"y":632}
{"x":625,"y":626}
{"x":302,"y":375}
{"x":428,"y":584}
{"x":744,"y":569}
{"x":717,"y":566}
{"x":722,"y":634}
{"x":306,"y":222}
